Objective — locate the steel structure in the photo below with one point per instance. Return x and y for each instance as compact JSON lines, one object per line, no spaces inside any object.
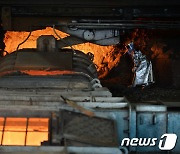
{"x":99,"y":22}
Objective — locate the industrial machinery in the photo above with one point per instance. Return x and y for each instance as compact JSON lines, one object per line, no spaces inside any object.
{"x":51,"y":98}
{"x":62,"y":86}
{"x":99,"y":22}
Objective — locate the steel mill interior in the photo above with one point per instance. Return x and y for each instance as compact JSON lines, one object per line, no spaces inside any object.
{"x":89,"y":77}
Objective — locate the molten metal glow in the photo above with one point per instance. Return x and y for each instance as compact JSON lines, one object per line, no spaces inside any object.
{"x":45,"y":73}
{"x":104,"y":56}
{"x":37,"y":72}
{"x":23,"y":131}
{"x":158,"y":52}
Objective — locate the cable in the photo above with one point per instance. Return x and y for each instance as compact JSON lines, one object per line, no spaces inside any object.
{"x":24,"y":41}
{"x":61,"y":38}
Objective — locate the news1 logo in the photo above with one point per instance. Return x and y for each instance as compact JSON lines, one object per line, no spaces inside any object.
{"x":166,"y":142}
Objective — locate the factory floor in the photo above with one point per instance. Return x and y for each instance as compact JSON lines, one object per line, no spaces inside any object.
{"x":152,"y":93}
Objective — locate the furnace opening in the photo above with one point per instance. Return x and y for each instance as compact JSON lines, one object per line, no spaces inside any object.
{"x":23,"y":131}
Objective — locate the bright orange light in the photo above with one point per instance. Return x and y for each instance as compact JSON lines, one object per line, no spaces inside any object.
{"x":38,"y":124}
{"x":35,"y":138}
{"x":39,"y":73}
{"x":1,"y":128}
{"x":15,"y":124}
{"x":13,"y":138}
{"x":105,"y":57}
{"x":1,"y":123}
{"x":45,"y":73}
{"x":0,"y":136}
{"x":37,"y":131}
{"x":23,"y":131}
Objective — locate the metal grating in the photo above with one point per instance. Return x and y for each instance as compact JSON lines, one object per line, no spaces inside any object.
{"x":91,"y":130}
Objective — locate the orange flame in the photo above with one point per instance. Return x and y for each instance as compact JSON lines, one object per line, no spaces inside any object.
{"x":104,"y":56}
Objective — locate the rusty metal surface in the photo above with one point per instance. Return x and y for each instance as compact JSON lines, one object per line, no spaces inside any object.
{"x":29,"y":59}
{"x":64,"y":82}
{"x":40,"y":60}
{"x":94,"y":131}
